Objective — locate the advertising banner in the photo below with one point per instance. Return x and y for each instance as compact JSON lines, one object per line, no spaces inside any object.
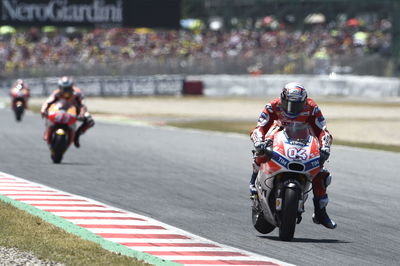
{"x":127,"y":13}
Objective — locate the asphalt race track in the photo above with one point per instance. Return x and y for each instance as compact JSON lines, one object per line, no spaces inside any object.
{"x":198,"y":181}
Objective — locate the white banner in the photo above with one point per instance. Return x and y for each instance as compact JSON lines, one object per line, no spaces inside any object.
{"x":271,"y":85}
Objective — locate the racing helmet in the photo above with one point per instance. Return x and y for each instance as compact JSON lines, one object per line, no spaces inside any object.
{"x":65,"y":84}
{"x":293,"y":98}
{"x":20,"y":84}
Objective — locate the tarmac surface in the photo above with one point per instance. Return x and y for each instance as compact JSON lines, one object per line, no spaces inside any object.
{"x":198,"y":181}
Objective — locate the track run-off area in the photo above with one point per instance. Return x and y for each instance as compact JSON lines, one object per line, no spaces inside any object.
{"x":196,"y":185}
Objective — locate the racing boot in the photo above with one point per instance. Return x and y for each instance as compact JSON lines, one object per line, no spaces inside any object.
{"x":88,"y":122}
{"x":78,"y":133}
{"x":253,"y":191}
{"x":320,"y":216}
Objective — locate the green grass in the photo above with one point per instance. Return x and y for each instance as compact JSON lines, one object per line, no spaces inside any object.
{"x":367,"y":145}
{"x":47,"y":242}
{"x":244,"y":127}
{"x":217,"y":125}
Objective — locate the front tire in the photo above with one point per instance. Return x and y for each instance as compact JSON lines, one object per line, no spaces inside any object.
{"x":19,"y":110}
{"x":59,"y":146}
{"x":56,"y":158}
{"x":289,"y":214}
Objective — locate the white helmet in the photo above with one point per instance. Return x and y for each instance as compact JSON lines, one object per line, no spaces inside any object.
{"x":293,"y":98}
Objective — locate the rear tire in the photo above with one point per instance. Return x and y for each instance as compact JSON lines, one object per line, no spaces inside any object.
{"x":289,"y":214}
{"x":260,"y":223}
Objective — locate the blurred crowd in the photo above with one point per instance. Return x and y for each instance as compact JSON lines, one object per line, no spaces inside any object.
{"x":29,"y":49}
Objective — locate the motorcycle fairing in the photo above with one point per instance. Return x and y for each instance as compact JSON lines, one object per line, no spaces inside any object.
{"x":62,"y":112}
{"x":287,"y":151}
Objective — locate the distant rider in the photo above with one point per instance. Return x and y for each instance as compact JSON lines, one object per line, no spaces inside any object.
{"x":68,"y":91}
{"x":20,"y":86}
{"x":293,"y":105}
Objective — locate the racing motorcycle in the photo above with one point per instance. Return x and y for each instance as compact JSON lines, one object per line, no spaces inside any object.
{"x":19,"y":99}
{"x":285,"y":179}
{"x":61,"y":124}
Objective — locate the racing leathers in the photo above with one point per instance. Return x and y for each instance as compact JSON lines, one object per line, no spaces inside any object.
{"x":76,"y":99}
{"x":270,"y":121}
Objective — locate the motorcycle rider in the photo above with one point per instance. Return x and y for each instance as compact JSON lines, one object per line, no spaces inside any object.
{"x":294,"y":105}
{"x":68,"y":91}
{"x":20,"y":85}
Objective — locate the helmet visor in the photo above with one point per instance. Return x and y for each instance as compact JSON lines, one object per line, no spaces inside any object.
{"x":66,"y":92}
{"x":292,"y":108}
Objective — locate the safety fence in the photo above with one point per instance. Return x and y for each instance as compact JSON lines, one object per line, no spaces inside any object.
{"x":266,"y":63}
{"x":221,"y":85}
{"x":317,"y":85}
{"x":109,"y":85}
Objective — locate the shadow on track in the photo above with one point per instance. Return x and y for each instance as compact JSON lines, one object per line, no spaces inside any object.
{"x":307,"y":240}
{"x":74,"y":163}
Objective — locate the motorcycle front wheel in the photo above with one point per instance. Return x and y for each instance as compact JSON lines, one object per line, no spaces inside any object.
{"x":289,"y":214}
{"x":59,"y":146}
{"x":19,"y":110}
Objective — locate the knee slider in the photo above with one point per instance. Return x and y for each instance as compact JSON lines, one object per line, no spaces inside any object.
{"x":328,"y":180}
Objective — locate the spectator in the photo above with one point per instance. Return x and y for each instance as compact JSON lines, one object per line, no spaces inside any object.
{"x":32,"y":50}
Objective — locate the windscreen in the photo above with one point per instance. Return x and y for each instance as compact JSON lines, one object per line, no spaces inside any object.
{"x":297,"y":131}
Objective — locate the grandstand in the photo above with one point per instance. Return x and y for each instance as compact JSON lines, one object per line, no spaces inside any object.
{"x":255,"y":37}
{"x":293,"y":12}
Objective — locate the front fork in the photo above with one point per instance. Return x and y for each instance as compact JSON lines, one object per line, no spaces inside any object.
{"x":279,"y":198}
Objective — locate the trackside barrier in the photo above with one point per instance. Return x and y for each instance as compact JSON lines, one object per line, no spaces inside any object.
{"x":221,"y":85}
{"x":317,"y":85}
{"x":193,"y":87}
{"x":109,"y":85}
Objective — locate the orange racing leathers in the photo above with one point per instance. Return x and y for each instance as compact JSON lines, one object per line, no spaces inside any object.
{"x":77,"y":99}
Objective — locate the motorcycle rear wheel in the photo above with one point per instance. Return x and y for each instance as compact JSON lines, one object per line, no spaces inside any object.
{"x":260,"y":223}
{"x":289,"y":214}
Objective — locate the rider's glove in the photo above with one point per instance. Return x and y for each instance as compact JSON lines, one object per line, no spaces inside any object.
{"x":43,"y":114}
{"x":261,"y":146}
{"x":87,"y":118}
{"x":324,"y":154}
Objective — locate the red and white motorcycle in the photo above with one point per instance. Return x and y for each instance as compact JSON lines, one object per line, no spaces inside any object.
{"x":19,"y":100}
{"x":284,"y":181}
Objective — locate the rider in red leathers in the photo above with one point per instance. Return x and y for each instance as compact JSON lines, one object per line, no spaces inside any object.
{"x":68,"y":91}
{"x":293,"y":105}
